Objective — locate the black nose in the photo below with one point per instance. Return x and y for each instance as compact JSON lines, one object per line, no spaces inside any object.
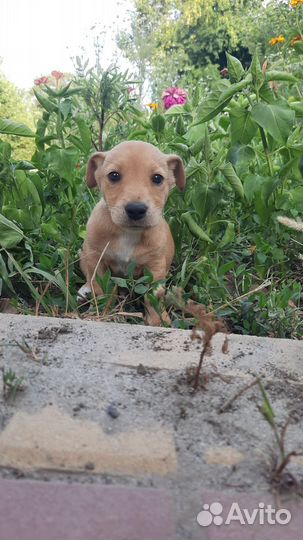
{"x":136,"y":211}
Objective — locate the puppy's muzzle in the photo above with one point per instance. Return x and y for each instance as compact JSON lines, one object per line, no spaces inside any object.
{"x":136,"y":211}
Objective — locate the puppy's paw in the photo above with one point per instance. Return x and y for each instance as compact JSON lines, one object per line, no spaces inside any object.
{"x":84,"y":293}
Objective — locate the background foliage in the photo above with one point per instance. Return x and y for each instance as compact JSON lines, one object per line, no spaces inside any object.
{"x":240,"y":137}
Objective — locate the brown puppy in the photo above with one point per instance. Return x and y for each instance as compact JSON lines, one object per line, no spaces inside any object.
{"x":127,"y":224}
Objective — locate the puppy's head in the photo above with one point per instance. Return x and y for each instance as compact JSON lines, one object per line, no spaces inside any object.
{"x":135,"y":179}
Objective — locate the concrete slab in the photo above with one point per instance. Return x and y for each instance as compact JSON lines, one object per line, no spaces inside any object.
{"x":159,"y":348}
{"x":106,"y":403}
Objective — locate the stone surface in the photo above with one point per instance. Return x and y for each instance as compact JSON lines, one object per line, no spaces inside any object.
{"x":131,"y":345}
{"x":43,"y":511}
{"x":51,"y":439}
{"x":164,"y":435}
{"x":221,"y":455}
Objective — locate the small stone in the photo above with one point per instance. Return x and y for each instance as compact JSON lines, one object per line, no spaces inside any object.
{"x":141,"y":370}
{"x":89,"y":466}
{"x":112,"y":411}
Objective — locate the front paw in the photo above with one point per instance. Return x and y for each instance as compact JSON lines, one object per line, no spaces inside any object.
{"x":84,"y":294}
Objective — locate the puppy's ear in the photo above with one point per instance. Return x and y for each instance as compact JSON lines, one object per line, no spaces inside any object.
{"x":175,"y":164}
{"x":95,"y":161}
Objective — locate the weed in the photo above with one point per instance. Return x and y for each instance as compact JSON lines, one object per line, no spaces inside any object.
{"x":280,"y":477}
{"x":11,"y":384}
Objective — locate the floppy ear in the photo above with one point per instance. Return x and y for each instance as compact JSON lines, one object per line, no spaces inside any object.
{"x":95,"y":161}
{"x":175,"y":164}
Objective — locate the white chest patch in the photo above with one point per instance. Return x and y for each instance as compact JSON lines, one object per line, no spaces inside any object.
{"x":124,"y":251}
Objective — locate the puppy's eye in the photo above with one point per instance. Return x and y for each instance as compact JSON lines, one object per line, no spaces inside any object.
{"x":157,"y":179}
{"x":114,"y":176}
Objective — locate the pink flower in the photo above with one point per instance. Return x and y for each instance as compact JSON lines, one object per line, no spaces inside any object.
{"x":131,"y":89}
{"x":41,"y":80}
{"x":57,"y":75}
{"x":174,"y":96}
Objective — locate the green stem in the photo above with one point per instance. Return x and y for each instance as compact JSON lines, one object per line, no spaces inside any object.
{"x":59,"y":126}
{"x":101,"y":121}
{"x":266,"y":151}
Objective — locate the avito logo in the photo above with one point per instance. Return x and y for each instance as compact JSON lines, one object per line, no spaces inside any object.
{"x":211,"y":513}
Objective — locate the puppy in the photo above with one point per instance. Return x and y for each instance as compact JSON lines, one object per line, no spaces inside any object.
{"x":127,"y":224}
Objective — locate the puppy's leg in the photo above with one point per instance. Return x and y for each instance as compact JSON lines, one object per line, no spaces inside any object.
{"x":152,"y":318}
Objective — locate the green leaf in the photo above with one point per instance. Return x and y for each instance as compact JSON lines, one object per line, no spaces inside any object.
{"x":5,"y":278}
{"x":85,"y":134}
{"x":207,"y":149}
{"x":10,"y":234}
{"x":230,"y":174}
{"x":256,"y":71}
{"x":266,"y":408}
{"x":5,"y":150}
{"x":56,"y":279}
{"x":25,"y":165}
{"x":252,"y":185}
{"x":205,"y":199}
{"x":175,"y":110}
{"x":27,"y":280}
{"x":158,"y":123}
{"x":196,"y":169}
{"x":196,"y":147}
{"x":50,"y":91}
{"x":297,"y":106}
{"x":73,"y":91}
{"x":266,"y":93}
{"x":297,"y":198}
{"x":63,"y":162}
{"x":240,"y":154}
{"x":65,"y":108}
{"x":121,"y":282}
{"x":212,"y":105}
{"x":45,"y":102}
{"x":210,"y":108}
{"x":235,"y":88}
{"x":195,"y":134}
{"x":218,"y":100}
{"x":24,"y":204}
{"x":194,"y":228}
{"x":140,"y":288}
{"x":276,"y":119}
{"x":236,"y":71}
{"x":180,"y":127}
{"x":280,"y":76}
{"x":10,"y":127}
{"x":228,"y":236}
{"x":242,"y":126}
{"x":76,"y":141}
{"x":64,"y":90}
{"x":196,"y":96}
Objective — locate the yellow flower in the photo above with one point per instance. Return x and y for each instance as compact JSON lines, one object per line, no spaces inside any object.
{"x":296,"y":3}
{"x":153,"y":106}
{"x":275,"y":40}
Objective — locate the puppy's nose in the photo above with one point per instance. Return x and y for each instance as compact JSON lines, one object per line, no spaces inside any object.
{"x":136,"y":211}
